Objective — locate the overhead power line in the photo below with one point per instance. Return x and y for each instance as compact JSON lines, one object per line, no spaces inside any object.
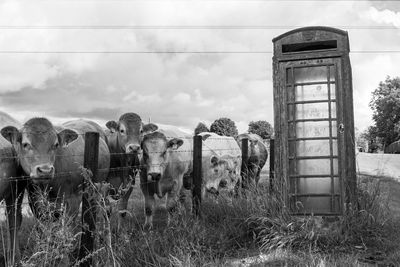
{"x":186,"y":27}
{"x":175,"y":52}
{"x":133,"y":1}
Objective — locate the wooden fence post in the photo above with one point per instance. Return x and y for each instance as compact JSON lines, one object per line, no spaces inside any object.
{"x":91,"y":156}
{"x":271,"y":165}
{"x":197,"y":173}
{"x":245,"y":157}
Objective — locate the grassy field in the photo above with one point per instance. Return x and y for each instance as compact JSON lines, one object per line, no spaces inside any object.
{"x":251,"y":230}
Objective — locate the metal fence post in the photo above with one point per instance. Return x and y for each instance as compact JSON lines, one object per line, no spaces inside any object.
{"x":197,"y":173}
{"x":90,"y":162}
{"x":245,"y":157}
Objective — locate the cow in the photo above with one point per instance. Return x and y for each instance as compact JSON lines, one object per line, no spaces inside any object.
{"x":257,"y":157}
{"x":221,"y":163}
{"x":123,"y":139}
{"x":167,"y":158}
{"x":12,"y":187}
{"x":52,"y":159}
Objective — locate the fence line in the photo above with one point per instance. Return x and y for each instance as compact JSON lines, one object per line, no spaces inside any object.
{"x":91,"y":163}
{"x":118,"y":153}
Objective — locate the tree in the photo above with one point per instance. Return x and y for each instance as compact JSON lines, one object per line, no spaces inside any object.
{"x":374,"y":142}
{"x":385,"y":105}
{"x":262,"y":128}
{"x":224,"y":126}
{"x":200,"y":128}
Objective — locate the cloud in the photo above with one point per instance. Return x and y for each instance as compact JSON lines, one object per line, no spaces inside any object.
{"x":384,"y":16}
{"x":179,"y":89}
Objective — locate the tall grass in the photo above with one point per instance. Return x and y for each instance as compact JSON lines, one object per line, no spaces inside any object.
{"x":369,"y":228}
{"x":228,"y":228}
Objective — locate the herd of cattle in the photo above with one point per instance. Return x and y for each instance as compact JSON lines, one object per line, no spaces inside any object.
{"x":38,"y":154}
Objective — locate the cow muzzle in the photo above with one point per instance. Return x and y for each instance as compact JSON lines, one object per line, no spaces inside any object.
{"x":213,"y":191}
{"x":132,"y":148}
{"x":42,"y":172}
{"x":223,"y":183}
{"x":154,"y":177}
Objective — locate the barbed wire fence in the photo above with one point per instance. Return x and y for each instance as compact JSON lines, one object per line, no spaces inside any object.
{"x":89,"y":160}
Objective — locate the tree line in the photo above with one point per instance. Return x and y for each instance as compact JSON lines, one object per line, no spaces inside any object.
{"x":225,"y":126}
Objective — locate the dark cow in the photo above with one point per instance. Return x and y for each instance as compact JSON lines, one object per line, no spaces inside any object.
{"x":167,"y":157}
{"x":52,"y":159}
{"x":257,"y":156}
{"x":123,"y":140}
{"x":11,"y":187}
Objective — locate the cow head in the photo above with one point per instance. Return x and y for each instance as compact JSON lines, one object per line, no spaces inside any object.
{"x":129,"y":130}
{"x":156,"y":155}
{"x":221,"y":173}
{"x":36,"y":145}
{"x":253,"y":147}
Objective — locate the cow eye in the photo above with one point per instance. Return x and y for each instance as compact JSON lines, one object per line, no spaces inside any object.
{"x":56,"y":145}
{"x":122,"y":131}
{"x":26,"y":146}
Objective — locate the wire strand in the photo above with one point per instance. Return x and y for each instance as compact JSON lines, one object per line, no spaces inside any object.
{"x":20,"y":52}
{"x":187,"y":27}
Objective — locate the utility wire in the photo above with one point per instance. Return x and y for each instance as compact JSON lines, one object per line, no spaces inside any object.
{"x":187,"y":27}
{"x":175,"y":52}
{"x":222,"y":1}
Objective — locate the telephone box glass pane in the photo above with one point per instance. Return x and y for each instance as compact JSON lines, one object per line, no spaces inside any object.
{"x":311,"y":74}
{"x":312,"y":111}
{"x":312,"y":129}
{"x":321,"y":205}
{"x":313,"y":92}
{"x":313,"y":148}
{"x":317,"y":185}
{"x":315,"y":167}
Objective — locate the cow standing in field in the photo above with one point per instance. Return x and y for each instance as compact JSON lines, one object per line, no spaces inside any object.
{"x":12,"y":187}
{"x":167,"y":157}
{"x":257,"y":156}
{"x":53,"y":159}
{"x":123,"y":140}
{"x":221,"y":163}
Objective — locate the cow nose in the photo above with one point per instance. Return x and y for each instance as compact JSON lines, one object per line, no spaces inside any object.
{"x":131,"y":148}
{"x":44,"y":169}
{"x":213,"y":191}
{"x":223,"y":183}
{"x":154,"y":176}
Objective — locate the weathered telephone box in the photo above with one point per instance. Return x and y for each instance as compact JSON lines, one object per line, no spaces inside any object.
{"x":314,"y":121}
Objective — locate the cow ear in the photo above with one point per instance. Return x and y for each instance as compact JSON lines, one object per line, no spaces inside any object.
{"x":112,"y":125}
{"x":11,"y":134}
{"x":149,"y":128}
{"x":214,"y":160}
{"x":205,"y":136}
{"x":66,"y":136}
{"x":174,"y":143}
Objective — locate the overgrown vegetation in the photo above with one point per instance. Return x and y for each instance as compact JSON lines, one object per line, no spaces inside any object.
{"x":232,"y":228}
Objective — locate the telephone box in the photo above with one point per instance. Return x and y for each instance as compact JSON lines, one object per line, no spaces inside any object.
{"x":314,"y":121}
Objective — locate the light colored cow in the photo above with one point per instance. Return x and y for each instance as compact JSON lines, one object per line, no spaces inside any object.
{"x":167,"y":157}
{"x":123,"y":139}
{"x":11,"y":187}
{"x":222,"y":160}
{"x":52,"y":159}
{"x":257,"y":156}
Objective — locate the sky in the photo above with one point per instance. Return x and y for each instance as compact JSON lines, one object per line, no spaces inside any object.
{"x":180,"y":89}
